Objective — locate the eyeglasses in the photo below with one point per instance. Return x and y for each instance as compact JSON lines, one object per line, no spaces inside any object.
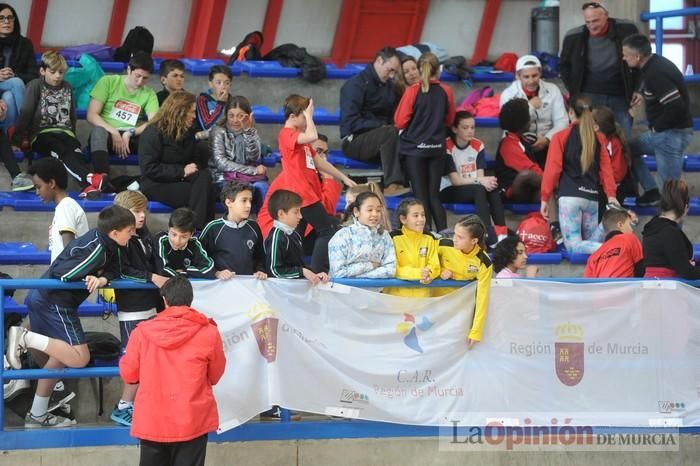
{"x":8,"y":18}
{"x":588,"y":5}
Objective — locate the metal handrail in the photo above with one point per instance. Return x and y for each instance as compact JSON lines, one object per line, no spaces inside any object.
{"x":659,"y":17}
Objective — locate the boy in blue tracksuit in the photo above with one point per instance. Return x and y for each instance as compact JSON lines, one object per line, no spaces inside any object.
{"x":53,"y":314}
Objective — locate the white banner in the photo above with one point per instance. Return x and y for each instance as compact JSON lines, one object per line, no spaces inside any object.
{"x":602,"y":354}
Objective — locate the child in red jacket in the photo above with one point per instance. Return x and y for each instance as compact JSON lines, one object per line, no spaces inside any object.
{"x":176,"y":357}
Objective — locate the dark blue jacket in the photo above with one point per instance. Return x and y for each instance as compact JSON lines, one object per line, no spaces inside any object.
{"x":94,"y":253}
{"x":366,"y":103}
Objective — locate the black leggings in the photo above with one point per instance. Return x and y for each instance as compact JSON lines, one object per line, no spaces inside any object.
{"x":325,"y":226}
{"x":526,"y":187}
{"x":196,"y":192}
{"x":424,"y":174}
{"x":8,"y":157}
{"x":66,"y":149}
{"x":488,"y":203}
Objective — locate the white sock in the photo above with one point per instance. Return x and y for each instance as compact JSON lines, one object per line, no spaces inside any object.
{"x":36,"y":341}
{"x":40,"y":405}
{"x":124,"y":404}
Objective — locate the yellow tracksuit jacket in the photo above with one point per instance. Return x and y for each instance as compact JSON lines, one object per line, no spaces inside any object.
{"x":414,"y":252}
{"x":476,"y":265}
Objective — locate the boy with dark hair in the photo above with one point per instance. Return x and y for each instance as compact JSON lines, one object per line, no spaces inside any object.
{"x":179,"y":252}
{"x":283,"y":246}
{"x":621,"y":254}
{"x":179,"y":346}
{"x":117,"y":106}
{"x":234,"y":241}
{"x":69,"y":220}
{"x":136,"y":262}
{"x":53,"y":314}
{"x":47,"y":119}
{"x":211,"y":105}
{"x":172,"y":77}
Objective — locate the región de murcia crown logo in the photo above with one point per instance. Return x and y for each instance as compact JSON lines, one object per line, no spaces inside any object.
{"x":264,"y":328}
{"x":568,"y":353}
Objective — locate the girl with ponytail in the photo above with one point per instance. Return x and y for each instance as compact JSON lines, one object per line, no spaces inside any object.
{"x":578,"y":164}
{"x":424,"y":113}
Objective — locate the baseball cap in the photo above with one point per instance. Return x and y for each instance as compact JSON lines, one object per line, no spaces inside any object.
{"x":527,"y":61}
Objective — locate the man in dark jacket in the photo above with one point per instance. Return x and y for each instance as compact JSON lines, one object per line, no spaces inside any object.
{"x":367,"y":104}
{"x":591,"y":62}
{"x":663,"y":90}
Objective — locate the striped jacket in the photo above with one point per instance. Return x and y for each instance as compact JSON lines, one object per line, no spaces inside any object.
{"x":94,"y":253}
{"x":284,"y":252}
{"x":192,"y":261}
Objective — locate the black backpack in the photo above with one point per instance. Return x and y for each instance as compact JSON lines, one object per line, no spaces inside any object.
{"x":312,"y":68}
{"x":248,"y":48}
{"x":458,"y":66}
{"x":103,"y":346}
{"x":139,"y":39}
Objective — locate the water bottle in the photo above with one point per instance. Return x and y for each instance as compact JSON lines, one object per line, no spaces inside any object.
{"x":689,"y":70}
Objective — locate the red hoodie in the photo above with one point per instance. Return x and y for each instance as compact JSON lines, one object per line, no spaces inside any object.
{"x":175,"y":358}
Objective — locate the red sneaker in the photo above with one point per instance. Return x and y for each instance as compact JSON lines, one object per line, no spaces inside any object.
{"x":90,"y":193}
{"x":99,"y":181}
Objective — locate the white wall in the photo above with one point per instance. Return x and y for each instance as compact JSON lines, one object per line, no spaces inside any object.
{"x":310,"y":24}
{"x":22,"y":9}
{"x":241,"y":17}
{"x":167,"y":21}
{"x":454,"y":25}
{"x":89,"y":22}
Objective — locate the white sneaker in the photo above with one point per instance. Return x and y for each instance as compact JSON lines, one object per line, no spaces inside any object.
{"x":22,"y":182}
{"x":48,"y":420}
{"x":59,"y":387}
{"x":16,"y":346}
{"x":13,"y":388}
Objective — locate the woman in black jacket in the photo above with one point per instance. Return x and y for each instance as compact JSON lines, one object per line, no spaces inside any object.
{"x":170,"y":172}
{"x":668,"y":253}
{"x":17,"y":64}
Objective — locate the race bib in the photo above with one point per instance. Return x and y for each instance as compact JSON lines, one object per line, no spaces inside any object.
{"x":125,"y":112}
{"x":468,"y":170}
{"x":309,"y":159}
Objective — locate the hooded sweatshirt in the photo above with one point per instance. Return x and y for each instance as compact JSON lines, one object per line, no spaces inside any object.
{"x":667,"y":251}
{"x":176,"y":358}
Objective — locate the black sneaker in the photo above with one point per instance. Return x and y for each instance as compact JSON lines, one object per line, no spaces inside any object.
{"x":556,"y":233}
{"x":650,"y":198}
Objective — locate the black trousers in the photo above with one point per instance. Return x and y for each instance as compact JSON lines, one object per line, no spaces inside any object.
{"x":66,"y":149}
{"x":325,"y":226}
{"x":380,"y":143}
{"x":189,"y":453}
{"x":196,"y":192}
{"x":488,"y":203}
{"x":424,"y":174}
{"x":7,"y":156}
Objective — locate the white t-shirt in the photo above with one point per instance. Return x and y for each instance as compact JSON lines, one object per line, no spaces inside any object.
{"x":70,"y":217}
{"x":465,"y":161}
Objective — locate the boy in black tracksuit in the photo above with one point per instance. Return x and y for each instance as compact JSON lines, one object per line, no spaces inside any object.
{"x":179,"y":252}
{"x":283,"y":246}
{"x":235,"y":242}
{"x":136,"y":262}
{"x":53,"y":314}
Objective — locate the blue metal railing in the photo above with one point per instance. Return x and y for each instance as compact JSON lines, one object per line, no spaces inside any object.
{"x":659,"y":16}
{"x":117,"y":435}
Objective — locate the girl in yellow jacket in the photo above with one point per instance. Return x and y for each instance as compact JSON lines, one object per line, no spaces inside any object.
{"x":416,"y":251}
{"x":464,"y":258}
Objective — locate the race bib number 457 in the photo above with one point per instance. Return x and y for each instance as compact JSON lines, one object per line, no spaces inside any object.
{"x":125,"y":112}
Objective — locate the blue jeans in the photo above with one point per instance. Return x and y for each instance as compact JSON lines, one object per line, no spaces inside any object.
{"x":619,"y":107}
{"x":12,"y":92}
{"x":668,"y":147}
